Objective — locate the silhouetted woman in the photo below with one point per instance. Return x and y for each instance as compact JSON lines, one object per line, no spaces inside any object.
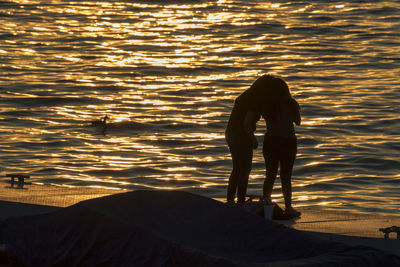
{"x":240,"y":136}
{"x":280,"y":142}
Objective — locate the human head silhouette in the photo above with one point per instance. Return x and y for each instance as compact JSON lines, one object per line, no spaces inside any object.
{"x":270,"y":90}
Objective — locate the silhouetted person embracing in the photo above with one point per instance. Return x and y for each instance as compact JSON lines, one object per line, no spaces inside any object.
{"x":280,"y":142}
{"x":270,"y":97}
{"x":239,"y":135}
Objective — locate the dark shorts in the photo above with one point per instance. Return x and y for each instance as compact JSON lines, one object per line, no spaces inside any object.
{"x":279,"y":147}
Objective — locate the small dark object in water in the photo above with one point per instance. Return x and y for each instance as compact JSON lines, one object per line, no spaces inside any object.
{"x":388,"y":230}
{"x":102,"y":123}
{"x":20,"y":177}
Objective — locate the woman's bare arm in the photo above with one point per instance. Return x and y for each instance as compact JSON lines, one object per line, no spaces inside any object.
{"x":296,"y":112}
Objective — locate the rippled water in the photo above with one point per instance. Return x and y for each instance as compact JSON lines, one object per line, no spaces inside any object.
{"x":167,"y":72}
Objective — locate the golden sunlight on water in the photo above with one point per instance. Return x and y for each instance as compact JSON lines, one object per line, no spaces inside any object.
{"x":166,"y":76}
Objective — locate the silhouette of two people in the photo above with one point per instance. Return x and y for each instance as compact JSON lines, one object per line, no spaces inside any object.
{"x":268,"y":97}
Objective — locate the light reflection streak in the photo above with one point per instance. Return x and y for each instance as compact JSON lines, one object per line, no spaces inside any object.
{"x":318,"y":121}
{"x":183,"y":168}
{"x":312,"y":163}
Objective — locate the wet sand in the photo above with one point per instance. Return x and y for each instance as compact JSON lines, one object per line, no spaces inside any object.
{"x":50,"y":195}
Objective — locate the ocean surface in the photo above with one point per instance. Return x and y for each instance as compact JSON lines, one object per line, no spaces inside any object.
{"x":166,"y":74}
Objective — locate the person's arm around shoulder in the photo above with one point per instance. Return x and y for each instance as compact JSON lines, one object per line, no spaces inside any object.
{"x":296,"y":112}
{"x":249,"y":126}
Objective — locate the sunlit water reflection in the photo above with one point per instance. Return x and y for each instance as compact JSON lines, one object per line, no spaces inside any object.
{"x":167,"y":74}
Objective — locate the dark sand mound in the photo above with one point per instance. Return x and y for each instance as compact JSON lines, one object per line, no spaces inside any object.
{"x":170,"y":228}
